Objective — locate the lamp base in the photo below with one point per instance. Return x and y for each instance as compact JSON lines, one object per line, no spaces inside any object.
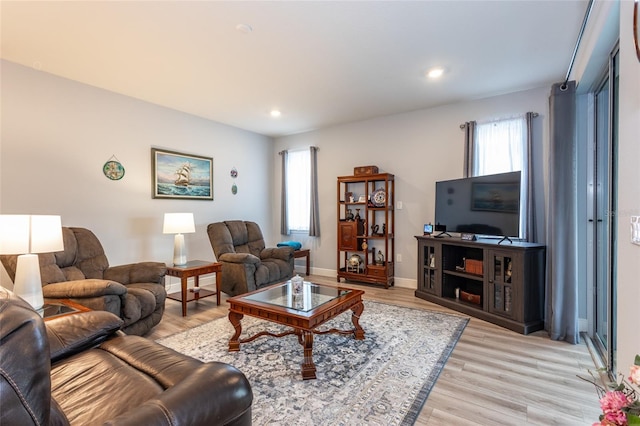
{"x":27,"y":283}
{"x":179,"y":251}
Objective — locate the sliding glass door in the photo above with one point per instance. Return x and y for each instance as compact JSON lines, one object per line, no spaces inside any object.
{"x":604,"y":212}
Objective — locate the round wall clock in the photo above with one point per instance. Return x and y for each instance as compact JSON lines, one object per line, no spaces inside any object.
{"x":113,"y":170}
{"x":378,"y":198}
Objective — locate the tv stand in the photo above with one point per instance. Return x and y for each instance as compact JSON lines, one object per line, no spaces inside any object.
{"x":500,"y":284}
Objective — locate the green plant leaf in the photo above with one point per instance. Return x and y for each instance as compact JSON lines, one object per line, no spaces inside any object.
{"x":632,"y":419}
{"x":637,"y":360}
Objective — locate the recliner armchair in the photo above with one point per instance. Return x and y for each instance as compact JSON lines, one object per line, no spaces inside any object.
{"x":79,"y":370}
{"x":247,"y":264}
{"x":134,"y":292}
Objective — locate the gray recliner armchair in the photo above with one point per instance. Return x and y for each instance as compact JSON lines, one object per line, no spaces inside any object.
{"x":247,"y":264}
{"x":134,"y":292}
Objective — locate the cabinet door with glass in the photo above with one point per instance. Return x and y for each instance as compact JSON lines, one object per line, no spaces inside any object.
{"x":429,"y":266}
{"x":503,"y":283}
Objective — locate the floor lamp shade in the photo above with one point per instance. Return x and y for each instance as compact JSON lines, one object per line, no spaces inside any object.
{"x":25,"y":236}
{"x":179,"y":223}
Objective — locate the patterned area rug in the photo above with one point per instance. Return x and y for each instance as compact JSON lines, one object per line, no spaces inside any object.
{"x":381,"y":380}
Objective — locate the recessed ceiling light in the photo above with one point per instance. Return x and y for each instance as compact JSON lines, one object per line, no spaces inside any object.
{"x":244,"y":28}
{"x":435,"y":72}
{"x":275,"y":113}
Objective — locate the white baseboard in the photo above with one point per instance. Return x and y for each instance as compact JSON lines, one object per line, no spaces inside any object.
{"x":172,"y":284}
{"x":398,"y":282}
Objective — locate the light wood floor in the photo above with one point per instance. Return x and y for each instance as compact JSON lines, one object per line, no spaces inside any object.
{"x":493,"y":377}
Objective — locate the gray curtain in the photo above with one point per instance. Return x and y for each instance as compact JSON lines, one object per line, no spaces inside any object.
{"x":314,"y":210}
{"x":561,"y":318}
{"x":469,"y":134}
{"x":284,"y":219}
{"x":530,"y":174}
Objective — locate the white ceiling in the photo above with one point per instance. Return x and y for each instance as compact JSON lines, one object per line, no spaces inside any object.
{"x":321,"y":63}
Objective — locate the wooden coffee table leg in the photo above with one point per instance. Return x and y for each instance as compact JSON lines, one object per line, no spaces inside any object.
{"x":234,"y":342}
{"x":358,"y":332}
{"x":308,"y":367}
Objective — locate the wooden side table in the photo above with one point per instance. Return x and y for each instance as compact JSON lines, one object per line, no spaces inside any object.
{"x":194,"y":268}
{"x":303,"y":253}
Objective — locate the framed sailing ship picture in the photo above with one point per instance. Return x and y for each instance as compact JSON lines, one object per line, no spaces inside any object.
{"x":181,"y":176}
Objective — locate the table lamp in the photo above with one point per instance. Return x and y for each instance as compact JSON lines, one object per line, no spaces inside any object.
{"x":178,"y":223}
{"x":27,"y":235}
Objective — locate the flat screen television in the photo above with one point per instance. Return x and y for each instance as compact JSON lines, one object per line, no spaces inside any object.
{"x":482,"y":205}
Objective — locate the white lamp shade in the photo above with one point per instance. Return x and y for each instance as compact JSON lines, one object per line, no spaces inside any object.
{"x":27,"y":235}
{"x":178,"y":223}
{"x":14,"y":233}
{"x":20,"y":234}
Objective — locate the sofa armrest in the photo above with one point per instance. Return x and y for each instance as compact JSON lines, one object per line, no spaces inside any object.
{"x":284,"y":253}
{"x":79,"y":289}
{"x":141,"y":272}
{"x":213,"y":394}
{"x":71,"y":334}
{"x":238,"y":258}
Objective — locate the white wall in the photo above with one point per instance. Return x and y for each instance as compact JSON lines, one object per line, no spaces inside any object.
{"x":419,"y":148}
{"x":57,"y":134}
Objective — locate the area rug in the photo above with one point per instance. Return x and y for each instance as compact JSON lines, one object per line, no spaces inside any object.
{"x":381,"y":380}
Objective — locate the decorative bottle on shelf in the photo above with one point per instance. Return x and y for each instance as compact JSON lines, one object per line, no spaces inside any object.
{"x":357,"y":215}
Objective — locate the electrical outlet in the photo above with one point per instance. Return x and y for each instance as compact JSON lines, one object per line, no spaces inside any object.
{"x":398,"y":258}
{"x":399,"y":205}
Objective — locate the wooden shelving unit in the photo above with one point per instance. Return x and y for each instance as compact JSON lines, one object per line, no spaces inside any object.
{"x":370,"y":233}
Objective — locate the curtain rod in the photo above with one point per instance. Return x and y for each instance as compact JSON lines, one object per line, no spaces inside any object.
{"x":575,"y":49}
{"x":311,"y":146}
{"x":462,"y":126}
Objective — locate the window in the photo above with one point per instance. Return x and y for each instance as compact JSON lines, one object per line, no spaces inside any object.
{"x":298,"y":190}
{"x":499,"y":147}
{"x":502,"y":146}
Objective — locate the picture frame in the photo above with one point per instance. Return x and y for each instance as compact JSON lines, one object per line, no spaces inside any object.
{"x":495,"y":197}
{"x":177,"y":175}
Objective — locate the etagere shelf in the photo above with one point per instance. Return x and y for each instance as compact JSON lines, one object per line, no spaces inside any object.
{"x":366,"y":224}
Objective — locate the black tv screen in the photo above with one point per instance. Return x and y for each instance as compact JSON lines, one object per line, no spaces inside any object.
{"x":482,"y":205}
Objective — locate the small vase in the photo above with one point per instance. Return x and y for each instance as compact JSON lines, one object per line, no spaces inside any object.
{"x":357,"y":214}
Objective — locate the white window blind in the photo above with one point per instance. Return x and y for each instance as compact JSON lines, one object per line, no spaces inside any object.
{"x":298,"y":190}
{"x":499,"y":147}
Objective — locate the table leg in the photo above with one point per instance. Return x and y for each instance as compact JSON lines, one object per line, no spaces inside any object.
{"x":358,"y":332}
{"x":234,"y":342}
{"x":218,"y":284}
{"x":183,"y":284}
{"x":196,"y":287}
{"x":308,"y":258}
{"x":308,"y":367}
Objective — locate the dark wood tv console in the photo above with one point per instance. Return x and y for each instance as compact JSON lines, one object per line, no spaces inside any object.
{"x":499,"y":283}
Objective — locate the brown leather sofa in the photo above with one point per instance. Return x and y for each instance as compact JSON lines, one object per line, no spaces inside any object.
{"x":135,"y":292}
{"x":80,"y":370}
{"x":247,"y":264}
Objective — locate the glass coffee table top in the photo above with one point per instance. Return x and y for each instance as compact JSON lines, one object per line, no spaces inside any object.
{"x":311,"y":297}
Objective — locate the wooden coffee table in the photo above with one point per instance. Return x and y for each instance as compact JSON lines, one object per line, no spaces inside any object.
{"x":304,"y":313}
